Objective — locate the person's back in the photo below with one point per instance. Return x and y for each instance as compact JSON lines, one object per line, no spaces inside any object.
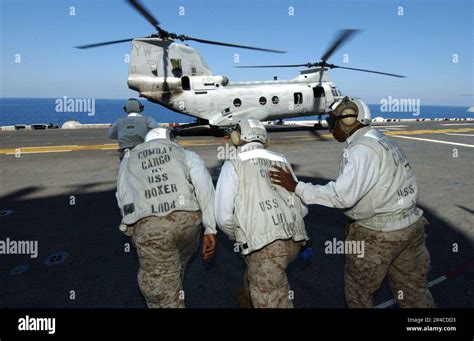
{"x":164,"y":192}
{"x":391,"y":203}
{"x":153,"y":181}
{"x":265,"y":212}
{"x":131,"y":130}
{"x":266,"y":221}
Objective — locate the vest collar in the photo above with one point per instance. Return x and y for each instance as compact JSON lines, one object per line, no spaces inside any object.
{"x":359,"y":132}
{"x":133,"y":114}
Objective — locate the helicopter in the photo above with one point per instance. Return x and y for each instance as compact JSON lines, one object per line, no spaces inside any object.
{"x":176,"y":76}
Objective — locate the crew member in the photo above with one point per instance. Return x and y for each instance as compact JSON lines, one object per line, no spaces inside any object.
{"x":132,"y":129}
{"x":164,"y":193}
{"x":377,"y":190}
{"x":265,"y":220}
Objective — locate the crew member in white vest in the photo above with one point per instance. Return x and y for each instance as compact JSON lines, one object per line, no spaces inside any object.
{"x":377,"y":190}
{"x":131,"y":130}
{"x":164,"y":193}
{"x":265,"y":220}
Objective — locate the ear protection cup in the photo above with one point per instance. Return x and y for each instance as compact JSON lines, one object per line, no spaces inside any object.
{"x":235,"y":138}
{"x":348,"y":117}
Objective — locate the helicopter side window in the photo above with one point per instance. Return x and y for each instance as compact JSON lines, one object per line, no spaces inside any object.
{"x":275,"y":100}
{"x":262,"y":100}
{"x":237,"y":102}
{"x":185,"y":83}
{"x":298,"y":96}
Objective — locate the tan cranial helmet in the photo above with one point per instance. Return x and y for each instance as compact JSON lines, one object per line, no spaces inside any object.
{"x":350,"y":111}
{"x":249,"y":130}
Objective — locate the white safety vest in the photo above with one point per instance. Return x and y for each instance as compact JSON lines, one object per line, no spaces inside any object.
{"x":154,"y":181}
{"x":264,"y":212}
{"x":391,"y":204}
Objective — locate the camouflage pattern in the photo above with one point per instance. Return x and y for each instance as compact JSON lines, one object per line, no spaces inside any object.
{"x":265,"y":282}
{"x":401,"y":254}
{"x":164,"y":246}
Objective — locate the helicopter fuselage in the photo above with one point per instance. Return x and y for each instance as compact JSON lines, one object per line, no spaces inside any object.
{"x":176,"y":77}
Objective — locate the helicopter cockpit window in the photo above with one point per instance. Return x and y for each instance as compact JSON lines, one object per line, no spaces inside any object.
{"x":262,"y":100}
{"x":237,"y":102}
{"x":298,"y":96}
{"x":185,"y":83}
{"x":275,"y":100}
{"x":334,"y":91}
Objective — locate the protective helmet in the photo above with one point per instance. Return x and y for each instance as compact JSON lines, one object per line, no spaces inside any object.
{"x":159,"y":133}
{"x":133,"y":105}
{"x":249,"y":130}
{"x":348,"y":111}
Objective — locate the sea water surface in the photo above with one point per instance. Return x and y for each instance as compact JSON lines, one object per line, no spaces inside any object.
{"x":45,"y":110}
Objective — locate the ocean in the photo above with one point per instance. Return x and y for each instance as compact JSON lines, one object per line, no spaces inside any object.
{"x":46,"y":110}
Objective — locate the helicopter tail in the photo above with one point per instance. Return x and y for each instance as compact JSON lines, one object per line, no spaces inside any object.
{"x":157,"y":58}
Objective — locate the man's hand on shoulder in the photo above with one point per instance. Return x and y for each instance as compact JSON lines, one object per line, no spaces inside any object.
{"x":283,"y":178}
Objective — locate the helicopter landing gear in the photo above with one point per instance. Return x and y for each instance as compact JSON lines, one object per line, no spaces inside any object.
{"x":319,"y":124}
{"x":218,"y":132}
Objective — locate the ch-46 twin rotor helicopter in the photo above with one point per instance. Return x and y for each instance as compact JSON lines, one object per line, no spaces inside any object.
{"x":176,"y":76}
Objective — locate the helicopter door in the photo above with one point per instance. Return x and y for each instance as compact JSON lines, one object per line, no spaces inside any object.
{"x":319,"y":99}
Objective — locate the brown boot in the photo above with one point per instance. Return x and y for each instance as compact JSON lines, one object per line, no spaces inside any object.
{"x":242,"y":299}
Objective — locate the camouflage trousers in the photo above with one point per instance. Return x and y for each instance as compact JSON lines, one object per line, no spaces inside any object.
{"x":265,"y":282}
{"x":164,"y":246}
{"x":401,"y":254}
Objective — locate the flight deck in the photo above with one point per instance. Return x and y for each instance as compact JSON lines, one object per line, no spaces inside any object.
{"x":57,"y":187}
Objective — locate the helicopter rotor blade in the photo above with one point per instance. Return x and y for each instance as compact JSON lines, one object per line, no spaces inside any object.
{"x":102,"y":44}
{"x":212,"y":42}
{"x":144,"y":12}
{"x":343,"y":37}
{"x":270,"y":66}
{"x":364,"y":70}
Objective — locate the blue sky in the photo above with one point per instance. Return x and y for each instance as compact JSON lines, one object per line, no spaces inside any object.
{"x":419,"y":44}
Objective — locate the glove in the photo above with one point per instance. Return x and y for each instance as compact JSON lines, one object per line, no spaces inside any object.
{"x":306,"y":251}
